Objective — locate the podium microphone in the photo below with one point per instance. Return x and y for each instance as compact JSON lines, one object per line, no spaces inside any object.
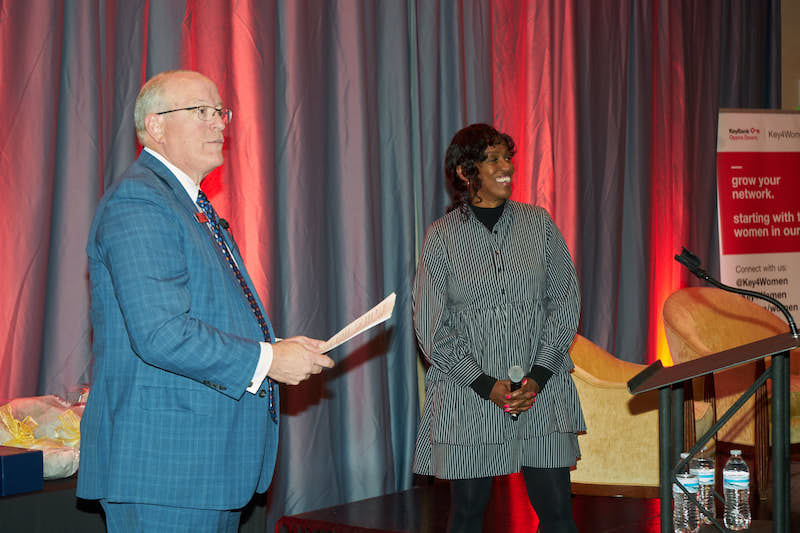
{"x":516,"y":375}
{"x":692,"y":262}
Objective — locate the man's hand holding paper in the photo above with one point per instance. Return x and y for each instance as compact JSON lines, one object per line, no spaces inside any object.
{"x":296,"y":358}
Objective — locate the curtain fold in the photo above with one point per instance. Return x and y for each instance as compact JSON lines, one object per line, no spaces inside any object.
{"x":27,"y":200}
{"x":651,"y":78}
{"x":334,"y":168}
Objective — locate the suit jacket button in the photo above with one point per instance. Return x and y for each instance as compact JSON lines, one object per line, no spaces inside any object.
{"x":223,"y":387}
{"x":262,"y":393}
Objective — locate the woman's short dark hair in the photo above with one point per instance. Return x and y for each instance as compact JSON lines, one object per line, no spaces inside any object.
{"x":467,"y":148}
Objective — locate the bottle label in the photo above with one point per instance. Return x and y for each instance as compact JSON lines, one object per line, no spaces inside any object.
{"x":735,"y":480}
{"x":705,"y":476}
{"x":689,"y":483}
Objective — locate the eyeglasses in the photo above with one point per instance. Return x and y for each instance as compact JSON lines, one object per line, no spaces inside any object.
{"x":206,"y":113}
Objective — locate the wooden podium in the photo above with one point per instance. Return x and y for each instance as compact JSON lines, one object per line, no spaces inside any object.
{"x":669,"y":382}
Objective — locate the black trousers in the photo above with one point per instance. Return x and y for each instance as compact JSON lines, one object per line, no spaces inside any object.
{"x":548,"y":491}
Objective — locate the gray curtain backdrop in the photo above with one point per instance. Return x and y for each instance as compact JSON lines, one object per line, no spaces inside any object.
{"x":342,"y":113}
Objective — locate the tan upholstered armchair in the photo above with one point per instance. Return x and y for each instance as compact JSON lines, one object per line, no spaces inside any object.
{"x":700,"y":321}
{"x":619,"y":452}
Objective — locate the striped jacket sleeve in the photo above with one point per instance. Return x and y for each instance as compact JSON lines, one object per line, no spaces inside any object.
{"x":440,"y":344}
{"x":562,"y":302}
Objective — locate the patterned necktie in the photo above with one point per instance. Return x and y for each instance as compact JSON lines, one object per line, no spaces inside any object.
{"x":263,"y":322}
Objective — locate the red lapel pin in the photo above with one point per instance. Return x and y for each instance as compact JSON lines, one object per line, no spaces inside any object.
{"x":201,"y":218}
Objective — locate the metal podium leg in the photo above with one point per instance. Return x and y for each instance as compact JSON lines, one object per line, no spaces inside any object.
{"x":787,"y":441}
{"x":665,"y":458}
{"x":677,"y":423}
{"x":780,"y":443}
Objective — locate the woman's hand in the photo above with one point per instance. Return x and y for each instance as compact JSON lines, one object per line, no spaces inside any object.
{"x":517,"y":401}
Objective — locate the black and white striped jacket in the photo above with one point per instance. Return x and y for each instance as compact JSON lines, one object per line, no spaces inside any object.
{"x":483,"y":302}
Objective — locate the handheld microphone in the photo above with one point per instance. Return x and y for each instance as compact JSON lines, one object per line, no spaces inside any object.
{"x":516,"y":375}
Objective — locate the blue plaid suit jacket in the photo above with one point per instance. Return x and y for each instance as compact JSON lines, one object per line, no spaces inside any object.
{"x":168,"y":420}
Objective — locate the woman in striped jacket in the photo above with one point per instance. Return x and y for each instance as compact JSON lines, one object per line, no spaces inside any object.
{"x":496,"y":288}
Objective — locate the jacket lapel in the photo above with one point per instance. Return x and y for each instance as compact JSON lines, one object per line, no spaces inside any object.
{"x":191,"y":209}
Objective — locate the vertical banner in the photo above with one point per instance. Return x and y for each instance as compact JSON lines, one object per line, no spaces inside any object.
{"x":758,"y":195}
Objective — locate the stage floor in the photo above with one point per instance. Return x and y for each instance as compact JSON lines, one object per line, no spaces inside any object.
{"x":424,"y":509}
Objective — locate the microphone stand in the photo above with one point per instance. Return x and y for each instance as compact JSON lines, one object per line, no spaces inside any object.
{"x":692,"y":263}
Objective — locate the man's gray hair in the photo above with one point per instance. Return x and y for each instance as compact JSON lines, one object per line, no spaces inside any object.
{"x":152,"y":99}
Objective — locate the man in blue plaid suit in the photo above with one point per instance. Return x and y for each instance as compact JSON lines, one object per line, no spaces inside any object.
{"x":177,"y":433}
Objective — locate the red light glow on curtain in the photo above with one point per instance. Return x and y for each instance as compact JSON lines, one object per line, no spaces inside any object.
{"x":668,"y":219}
{"x":228,"y":54}
{"x":534,"y":101}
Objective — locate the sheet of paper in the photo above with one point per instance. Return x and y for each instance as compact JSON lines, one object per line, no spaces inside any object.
{"x":380,"y":313}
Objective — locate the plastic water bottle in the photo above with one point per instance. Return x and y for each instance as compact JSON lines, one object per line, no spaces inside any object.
{"x":736,"y":483}
{"x":684,"y":511}
{"x":703,"y":469}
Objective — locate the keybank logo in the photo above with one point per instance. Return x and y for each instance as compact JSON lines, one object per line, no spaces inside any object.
{"x":743,"y":134}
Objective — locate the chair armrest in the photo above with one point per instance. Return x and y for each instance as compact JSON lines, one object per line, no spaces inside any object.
{"x":601,"y":365}
{"x":594,"y":381}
